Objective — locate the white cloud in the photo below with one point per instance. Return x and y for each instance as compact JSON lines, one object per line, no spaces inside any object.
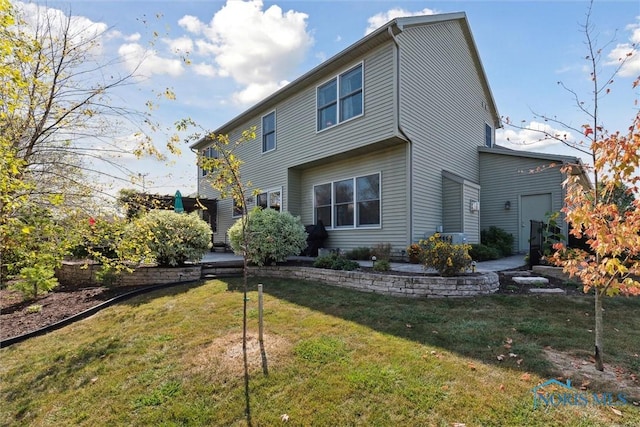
{"x":631,"y":66}
{"x":81,"y":30}
{"x":378,"y":20}
{"x":533,"y":136}
{"x":181,"y":45}
{"x":203,"y":69}
{"x":192,"y":24}
{"x":144,"y":62}
{"x":257,"y":48}
{"x":256,"y":91}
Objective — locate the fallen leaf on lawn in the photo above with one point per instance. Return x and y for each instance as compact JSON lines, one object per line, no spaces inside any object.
{"x":592,"y":359}
{"x":445,"y":387}
{"x":409,"y":325}
{"x":513,"y":355}
{"x":501,"y":387}
{"x":525,"y":377}
{"x":500,"y":357}
{"x":507,"y":346}
{"x":433,"y":352}
{"x":519,"y":362}
{"x":434,"y":332}
{"x":589,"y":330}
{"x":508,"y":341}
{"x":584,"y":385}
{"x":615,"y":329}
{"x":472,"y":366}
{"x":458,"y":425}
{"x":284,"y":417}
{"x":94,"y":379}
{"x":633,"y":377}
{"x":615,"y":411}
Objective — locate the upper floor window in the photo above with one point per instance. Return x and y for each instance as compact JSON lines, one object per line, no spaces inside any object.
{"x":269,"y":132}
{"x":207,"y":153}
{"x":269,"y":199}
{"x":488,"y":135}
{"x":340,"y":98}
{"x":348,"y":203}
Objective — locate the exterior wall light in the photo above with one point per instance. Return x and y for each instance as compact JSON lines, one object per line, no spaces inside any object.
{"x":507,"y":205}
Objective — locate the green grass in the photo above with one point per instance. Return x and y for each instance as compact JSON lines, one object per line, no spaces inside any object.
{"x":336,"y":357}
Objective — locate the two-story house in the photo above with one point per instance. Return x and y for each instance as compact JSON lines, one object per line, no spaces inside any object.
{"x":382,"y":142}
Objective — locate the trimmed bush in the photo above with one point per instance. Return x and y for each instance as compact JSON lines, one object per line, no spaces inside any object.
{"x":34,"y":281}
{"x":448,"y":259}
{"x":272,"y":236}
{"x":169,"y":238}
{"x":334,"y":261}
{"x":497,"y":238}
{"x":480,"y":252}
{"x":362,"y":253}
{"x":382,"y":265}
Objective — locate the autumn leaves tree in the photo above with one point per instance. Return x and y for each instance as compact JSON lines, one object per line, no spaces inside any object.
{"x":606,"y":215}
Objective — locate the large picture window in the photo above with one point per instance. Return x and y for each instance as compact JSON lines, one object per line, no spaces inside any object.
{"x":269,"y":132}
{"x":348,"y":203}
{"x":340,"y":98}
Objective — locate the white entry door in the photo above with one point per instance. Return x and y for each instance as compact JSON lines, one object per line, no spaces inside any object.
{"x":533,"y":207}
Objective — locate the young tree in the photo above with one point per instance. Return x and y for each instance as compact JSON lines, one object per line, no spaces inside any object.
{"x":611,"y":266}
{"x":223,"y":174}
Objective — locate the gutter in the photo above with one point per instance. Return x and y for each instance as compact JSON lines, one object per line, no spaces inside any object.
{"x":396,"y":48}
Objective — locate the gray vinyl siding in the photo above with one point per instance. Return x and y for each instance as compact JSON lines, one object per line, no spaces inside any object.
{"x":507,"y":178}
{"x":443,"y":111}
{"x":451,"y":206}
{"x":391,"y":164}
{"x":471,"y":219}
{"x":298,"y":143}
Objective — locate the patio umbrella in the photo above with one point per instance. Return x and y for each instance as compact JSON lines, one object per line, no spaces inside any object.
{"x":177,"y":202}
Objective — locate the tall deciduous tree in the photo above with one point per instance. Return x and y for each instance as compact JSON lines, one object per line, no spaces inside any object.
{"x":61,"y":121}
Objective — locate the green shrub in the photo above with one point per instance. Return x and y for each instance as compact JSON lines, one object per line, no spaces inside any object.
{"x":362,"y":253}
{"x":480,"y":252}
{"x":382,"y":251}
{"x":169,"y":238}
{"x":497,"y":238}
{"x":448,"y":259}
{"x":334,"y":261}
{"x":382,"y":265}
{"x":34,"y":281}
{"x":272,"y":236}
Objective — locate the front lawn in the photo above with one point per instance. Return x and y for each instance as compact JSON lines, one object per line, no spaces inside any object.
{"x":335,"y":357}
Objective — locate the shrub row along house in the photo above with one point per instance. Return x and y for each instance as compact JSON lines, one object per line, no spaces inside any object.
{"x":390,"y":141}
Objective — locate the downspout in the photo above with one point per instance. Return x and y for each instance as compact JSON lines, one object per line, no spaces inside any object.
{"x":402,"y":132}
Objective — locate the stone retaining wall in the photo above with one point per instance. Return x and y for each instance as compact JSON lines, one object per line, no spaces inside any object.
{"x":75,"y":274}
{"x":389,"y":284}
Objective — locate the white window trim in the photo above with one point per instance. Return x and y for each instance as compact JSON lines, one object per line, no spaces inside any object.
{"x":204,"y":172}
{"x":493,"y":136}
{"x":269,"y":191}
{"x":337,"y":78}
{"x":355,"y":225}
{"x":275,"y":131}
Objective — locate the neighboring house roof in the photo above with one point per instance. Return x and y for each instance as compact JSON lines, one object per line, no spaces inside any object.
{"x":354,"y":52}
{"x":578,"y":167}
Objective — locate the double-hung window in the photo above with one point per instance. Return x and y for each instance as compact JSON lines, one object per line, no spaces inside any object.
{"x":488,"y":135}
{"x":269,"y":132}
{"x":269,"y":199}
{"x":340,"y":98}
{"x":348,"y":203}
{"x":207,"y":154}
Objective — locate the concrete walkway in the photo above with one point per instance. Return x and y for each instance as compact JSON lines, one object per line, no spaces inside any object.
{"x":509,"y":263}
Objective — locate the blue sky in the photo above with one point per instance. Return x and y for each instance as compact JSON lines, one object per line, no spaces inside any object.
{"x":242,"y":51}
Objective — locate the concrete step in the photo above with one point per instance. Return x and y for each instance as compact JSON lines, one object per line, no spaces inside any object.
{"x":531,"y":280}
{"x":547,"y":291}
